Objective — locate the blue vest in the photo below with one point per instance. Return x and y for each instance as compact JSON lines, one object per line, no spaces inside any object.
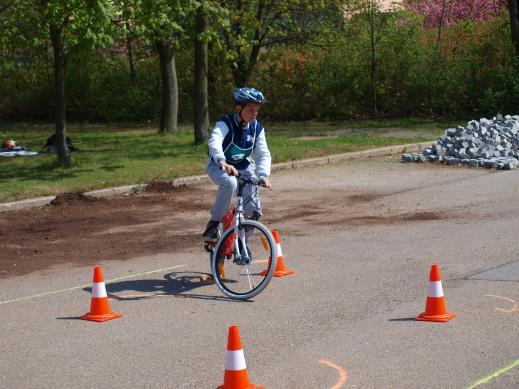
{"x":239,"y":143}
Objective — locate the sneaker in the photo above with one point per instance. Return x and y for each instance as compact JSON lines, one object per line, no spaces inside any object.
{"x":211,"y":231}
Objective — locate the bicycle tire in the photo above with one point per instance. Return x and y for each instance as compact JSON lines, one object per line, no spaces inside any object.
{"x":243,"y":278}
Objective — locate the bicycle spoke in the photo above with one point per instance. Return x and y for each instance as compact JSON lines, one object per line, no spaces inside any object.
{"x":249,"y":277}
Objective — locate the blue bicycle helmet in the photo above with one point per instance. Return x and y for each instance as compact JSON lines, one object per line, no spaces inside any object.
{"x":248,"y":95}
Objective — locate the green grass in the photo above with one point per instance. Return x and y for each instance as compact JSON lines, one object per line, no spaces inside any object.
{"x":420,"y":126}
{"x":118,"y":155}
{"x":288,"y":149}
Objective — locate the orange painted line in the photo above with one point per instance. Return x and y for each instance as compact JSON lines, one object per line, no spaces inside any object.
{"x":515,"y":308}
{"x":342,"y":373}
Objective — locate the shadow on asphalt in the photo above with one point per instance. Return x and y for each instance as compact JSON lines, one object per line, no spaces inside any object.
{"x":69,"y":318}
{"x":177,"y":284}
{"x":404,"y":319}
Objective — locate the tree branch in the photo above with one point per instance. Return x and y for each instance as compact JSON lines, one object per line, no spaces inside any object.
{"x":5,"y":6}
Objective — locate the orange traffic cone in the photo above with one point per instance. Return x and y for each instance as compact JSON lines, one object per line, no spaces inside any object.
{"x":281,"y":270}
{"x":435,"y":309}
{"x":236,"y":376}
{"x":99,"y":307}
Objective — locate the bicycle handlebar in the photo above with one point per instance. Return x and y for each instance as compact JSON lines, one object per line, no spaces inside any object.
{"x":252,"y":181}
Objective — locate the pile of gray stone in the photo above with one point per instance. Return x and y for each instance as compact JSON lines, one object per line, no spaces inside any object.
{"x":487,"y":143}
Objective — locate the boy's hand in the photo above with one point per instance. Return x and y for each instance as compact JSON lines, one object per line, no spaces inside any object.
{"x":229,"y":169}
{"x":268,"y":185}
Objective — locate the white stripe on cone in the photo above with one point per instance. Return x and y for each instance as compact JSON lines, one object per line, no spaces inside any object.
{"x":435,"y":289}
{"x":99,"y":290}
{"x":278,"y":247}
{"x":235,"y":360}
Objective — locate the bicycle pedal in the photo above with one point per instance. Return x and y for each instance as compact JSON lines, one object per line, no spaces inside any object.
{"x":209,"y":246}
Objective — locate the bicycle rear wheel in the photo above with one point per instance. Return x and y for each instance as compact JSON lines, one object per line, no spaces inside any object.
{"x":243,"y":263}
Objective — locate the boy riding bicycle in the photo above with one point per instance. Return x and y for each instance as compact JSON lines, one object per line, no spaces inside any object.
{"x":237,"y":146}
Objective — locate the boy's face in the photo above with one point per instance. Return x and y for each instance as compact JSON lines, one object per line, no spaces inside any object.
{"x":249,"y":112}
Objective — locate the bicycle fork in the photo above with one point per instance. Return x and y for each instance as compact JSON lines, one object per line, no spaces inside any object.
{"x":240,"y":246}
{"x":240,"y":236}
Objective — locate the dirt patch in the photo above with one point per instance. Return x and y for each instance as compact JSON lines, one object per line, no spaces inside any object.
{"x":71,"y":198}
{"x":423,"y":216}
{"x":322,"y":205}
{"x":83,"y":231}
{"x":162,"y":187}
{"x":390,"y":219}
{"x":364,"y":197}
{"x":292,"y":216}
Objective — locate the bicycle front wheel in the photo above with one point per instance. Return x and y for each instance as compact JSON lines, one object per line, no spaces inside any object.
{"x":244,"y":260}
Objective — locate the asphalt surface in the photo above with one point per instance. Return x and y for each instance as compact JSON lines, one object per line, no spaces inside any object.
{"x":360,"y":235}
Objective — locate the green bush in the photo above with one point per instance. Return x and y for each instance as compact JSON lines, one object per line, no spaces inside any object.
{"x":470,"y":71}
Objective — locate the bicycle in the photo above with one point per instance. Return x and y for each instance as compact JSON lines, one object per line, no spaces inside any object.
{"x":244,"y":257}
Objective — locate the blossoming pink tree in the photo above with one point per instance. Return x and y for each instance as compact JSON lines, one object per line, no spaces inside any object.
{"x":445,"y":12}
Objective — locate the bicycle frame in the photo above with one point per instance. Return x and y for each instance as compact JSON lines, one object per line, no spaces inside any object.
{"x":234,"y":218}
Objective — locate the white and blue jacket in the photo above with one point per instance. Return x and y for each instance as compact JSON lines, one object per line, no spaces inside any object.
{"x":238,"y":146}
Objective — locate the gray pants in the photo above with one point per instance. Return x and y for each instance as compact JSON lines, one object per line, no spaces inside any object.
{"x":227,"y":187}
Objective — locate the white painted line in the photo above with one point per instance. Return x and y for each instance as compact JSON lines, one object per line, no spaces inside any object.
{"x":495,"y":374}
{"x":89,"y":285}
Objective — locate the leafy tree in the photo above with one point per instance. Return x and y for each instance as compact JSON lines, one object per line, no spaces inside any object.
{"x":259,"y":24}
{"x":382,"y":37}
{"x":513,"y":9}
{"x":376,"y":22}
{"x":60,"y":28}
{"x":439,"y":14}
{"x":123,"y":20}
{"x":163,"y":24}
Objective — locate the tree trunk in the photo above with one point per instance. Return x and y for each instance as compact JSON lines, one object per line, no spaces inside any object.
{"x":201,"y":109}
{"x":131,"y":57}
{"x":168,"y":73}
{"x":433,"y":76}
{"x":373,"y":72}
{"x":513,"y":9}
{"x":241,"y":71}
{"x":59,"y":94}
